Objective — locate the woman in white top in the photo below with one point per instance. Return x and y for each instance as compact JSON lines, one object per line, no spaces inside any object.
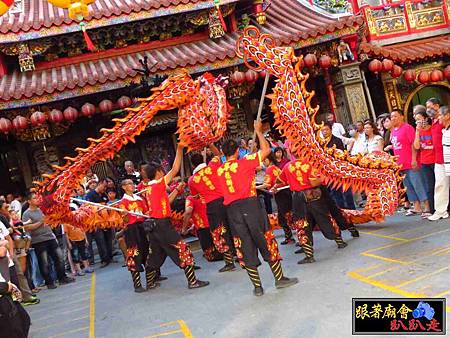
{"x":374,"y":140}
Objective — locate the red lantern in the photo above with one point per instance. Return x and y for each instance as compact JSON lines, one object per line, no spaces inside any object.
{"x":436,"y":75}
{"x":237,"y":77}
{"x":5,"y":125}
{"x":55,"y":116}
{"x":388,"y":65}
{"x":20,"y":123}
{"x":409,"y":75}
{"x":447,"y":72}
{"x":396,"y":71}
{"x":124,"y":102}
{"x":105,"y":106}
{"x":38,"y":118}
{"x":325,"y":62}
{"x":310,"y":60}
{"x":375,"y":66}
{"x":88,"y":109}
{"x":70,"y":114}
{"x":251,"y":75}
{"x":424,"y":77}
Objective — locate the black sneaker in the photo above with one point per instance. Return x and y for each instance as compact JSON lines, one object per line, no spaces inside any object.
{"x":198,"y":284}
{"x":299,"y":251}
{"x":258,"y":291}
{"x":196,"y":267}
{"x":288,"y":241}
{"x":104,"y":265}
{"x":153,"y":286}
{"x":31,"y":301}
{"x":139,"y":290}
{"x":306,"y":260}
{"x":51,"y":286}
{"x":228,"y":267}
{"x":66,"y":280}
{"x":354,"y":233}
{"x":285,"y":282}
{"x":161,"y":278}
{"x":342,"y":246}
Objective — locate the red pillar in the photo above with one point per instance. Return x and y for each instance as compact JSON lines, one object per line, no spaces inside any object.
{"x":330,"y":91}
{"x":3,"y":69}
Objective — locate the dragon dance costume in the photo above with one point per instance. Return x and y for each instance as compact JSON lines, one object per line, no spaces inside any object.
{"x":164,"y":240}
{"x":205,"y":182}
{"x":248,"y":220}
{"x":309,"y":206}
{"x":197,"y":207}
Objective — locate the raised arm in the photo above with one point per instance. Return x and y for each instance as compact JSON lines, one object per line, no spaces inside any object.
{"x":264,"y":146}
{"x":176,"y":165}
{"x":215,"y":151}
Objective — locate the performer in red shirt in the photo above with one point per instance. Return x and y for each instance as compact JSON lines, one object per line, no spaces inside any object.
{"x":283,"y":197}
{"x":135,"y":238}
{"x":195,"y":211}
{"x":309,"y":205}
{"x":164,"y":240}
{"x":247,"y":218}
{"x":205,"y":183}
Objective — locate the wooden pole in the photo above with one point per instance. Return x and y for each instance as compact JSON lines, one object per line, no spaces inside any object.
{"x":108,"y":207}
{"x":260,"y":108}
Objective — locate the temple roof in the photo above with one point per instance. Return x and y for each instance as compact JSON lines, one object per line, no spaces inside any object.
{"x":289,"y":21}
{"x":40,"y":18}
{"x":411,"y":51}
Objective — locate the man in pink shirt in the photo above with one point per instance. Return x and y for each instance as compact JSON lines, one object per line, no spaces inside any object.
{"x":441,"y":186}
{"x":402,"y":139}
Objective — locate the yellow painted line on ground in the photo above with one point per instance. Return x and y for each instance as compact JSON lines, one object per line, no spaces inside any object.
{"x":169,"y":333}
{"x":423,"y":276}
{"x":57,"y":324}
{"x":442,"y":294}
{"x":65,"y":333}
{"x":185,"y":329}
{"x":384,"y":236}
{"x":385,"y":258}
{"x":447,"y":308}
{"x":407,"y":241}
{"x":92,"y":308}
{"x":390,"y":288}
{"x":367,"y":268}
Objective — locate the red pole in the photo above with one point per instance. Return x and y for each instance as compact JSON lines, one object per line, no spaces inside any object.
{"x":330,"y":91}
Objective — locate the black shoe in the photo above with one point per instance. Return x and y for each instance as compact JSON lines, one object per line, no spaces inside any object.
{"x":31,"y":301}
{"x":196,"y":267}
{"x":342,"y":246}
{"x":139,"y":290}
{"x":354,"y":233}
{"x":66,"y":280}
{"x":51,"y":286}
{"x":299,"y":251}
{"x":258,"y":291}
{"x":228,"y":267}
{"x":306,"y":260}
{"x":161,"y":278}
{"x":297,"y":244}
{"x":104,"y":265}
{"x":153,"y":286}
{"x":285,"y":282}
{"x":198,"y":284}
{"x":287,"y":241}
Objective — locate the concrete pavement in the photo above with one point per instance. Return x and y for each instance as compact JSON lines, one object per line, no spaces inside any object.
{"x":402,"y":257}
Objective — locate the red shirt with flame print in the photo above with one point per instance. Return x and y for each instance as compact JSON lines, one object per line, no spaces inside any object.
{"x":134,"y":204}
{"x":297,"y":174}
{"x":204,"y":181}
{"x":158,"y":199}
{"x":271,"y":176}
{"x":199,"y":217}
{"x":237,"y":178}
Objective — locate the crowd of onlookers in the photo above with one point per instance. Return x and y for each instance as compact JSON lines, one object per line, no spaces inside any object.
{"x":39,"y":256}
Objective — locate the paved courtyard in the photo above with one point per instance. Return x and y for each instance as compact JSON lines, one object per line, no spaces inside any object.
{"x":402,"y":257}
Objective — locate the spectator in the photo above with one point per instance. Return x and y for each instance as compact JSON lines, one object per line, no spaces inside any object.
{"x":98,"y":195}
{"x":387,"y":126}
{"x":444,"y":118}
{"x":441,"y":187}
{"x":90,"y":176}
{"x":131,"y":173}
{"x":423,"y":143}
{"x":15,"y":321}
{"x":112,"y":196}
{"x":16,"y":204}
{"x":359,"y":146}
{"x":344,"y":199}
{"x":337,"y":129}
{"x":44,"y":242}
{"x":402,"y":138}
{"x":374,"y":141}
{"x":280,"y":157}
{"x":77,"y":245}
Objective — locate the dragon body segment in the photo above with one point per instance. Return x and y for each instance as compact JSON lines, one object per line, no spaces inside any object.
{"x":376,"y":174}
{"x":203,"y":118}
